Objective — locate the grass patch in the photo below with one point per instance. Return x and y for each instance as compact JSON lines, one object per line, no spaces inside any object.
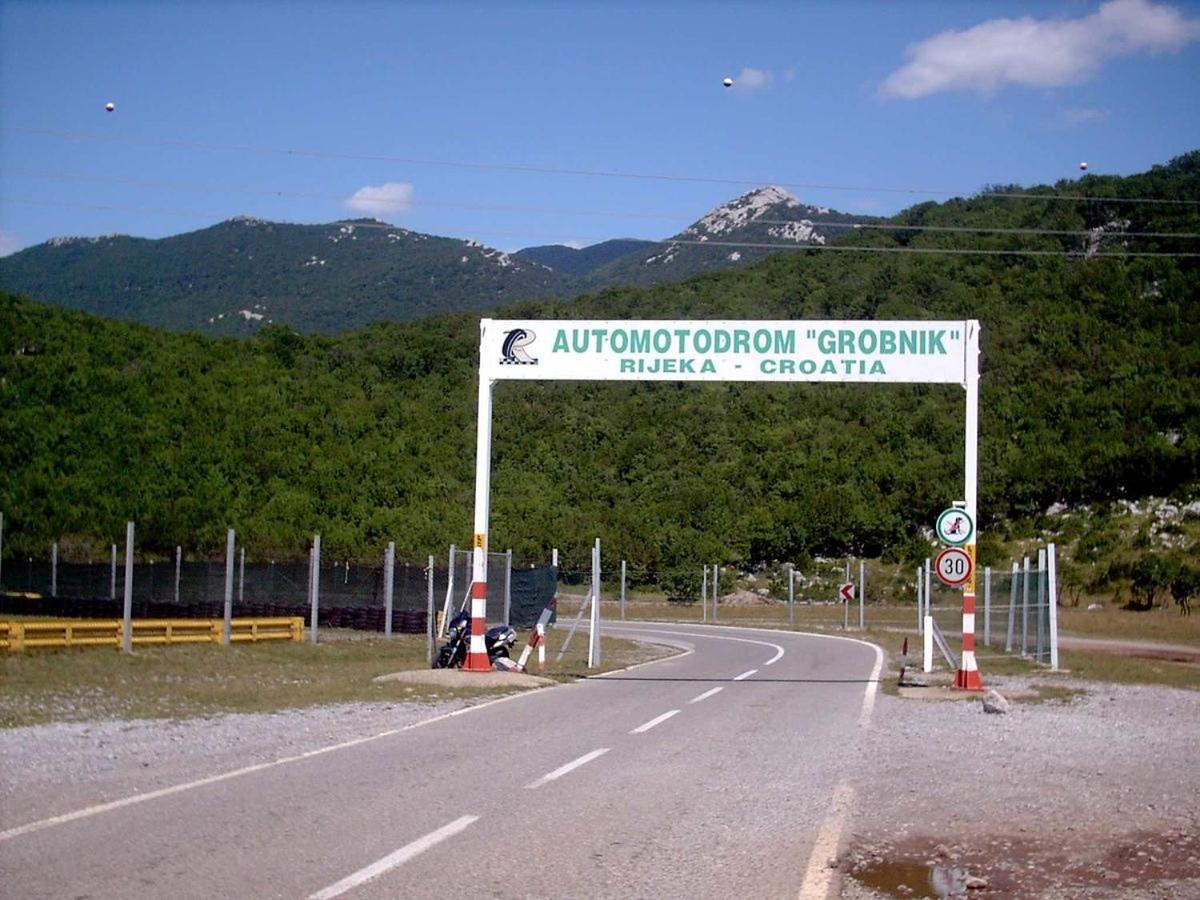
{"x":187,"y":681}
{"x":1160,"y":624}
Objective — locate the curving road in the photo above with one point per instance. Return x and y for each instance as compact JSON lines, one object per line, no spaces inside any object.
{"x":724,"y":771}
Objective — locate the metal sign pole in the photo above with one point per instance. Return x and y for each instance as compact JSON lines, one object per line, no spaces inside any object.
{"x":389,"y":583}
{"x":477,"y":658}
{"x":967,"y":677}
{"x":127,"y":613}
{"x":227,"y":630}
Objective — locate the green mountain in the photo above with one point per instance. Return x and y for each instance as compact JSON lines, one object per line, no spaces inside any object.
{"x":1090,"y":393}
{"x":242,"y":274}
{"x":581,"y":261}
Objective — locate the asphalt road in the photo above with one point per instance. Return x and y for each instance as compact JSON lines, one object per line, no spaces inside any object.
{"x":722,"y":772}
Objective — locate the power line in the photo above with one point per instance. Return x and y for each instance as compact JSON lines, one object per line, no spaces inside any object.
{"x":666,"y":242}
{"x":557,"y":170}
{"x":969,"y":229}
{"x":226,"y":187}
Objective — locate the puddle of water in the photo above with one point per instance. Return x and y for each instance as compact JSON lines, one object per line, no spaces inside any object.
{"x":910,"y":879}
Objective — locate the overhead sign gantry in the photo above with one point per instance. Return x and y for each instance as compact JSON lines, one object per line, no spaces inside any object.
{"x":883,"y":352}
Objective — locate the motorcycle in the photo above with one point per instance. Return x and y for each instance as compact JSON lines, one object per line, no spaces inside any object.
{"x":498,"y":640}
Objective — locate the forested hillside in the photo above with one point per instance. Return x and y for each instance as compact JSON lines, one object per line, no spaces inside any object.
{"x":1090,"y":391}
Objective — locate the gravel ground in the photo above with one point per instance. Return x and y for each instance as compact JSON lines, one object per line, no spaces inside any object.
{"x":56,"y":768}
{"x":1097,"y":795}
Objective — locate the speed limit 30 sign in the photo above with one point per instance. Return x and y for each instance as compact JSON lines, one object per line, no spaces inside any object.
{"x":954,"y":566}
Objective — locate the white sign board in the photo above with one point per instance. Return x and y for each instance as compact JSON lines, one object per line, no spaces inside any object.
{"x":724,"y":350}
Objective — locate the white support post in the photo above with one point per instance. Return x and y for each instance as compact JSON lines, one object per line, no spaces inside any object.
{"x":594,"y":631}
{"x":477,"y":658}
{"x":315,"y":589}
{"x":1025,"y":610}
{"x":178,"y":566}
{"x":1052,"y":599}
{"x":967,"y":677}
{"x":704,"y":595}
{"x":554,"y":557}
{"x":987,"y":606}
{"x":1041,"y":604}
{"x":54,"y":569}
{"x":862,"y":595}
{"x":791,"y":596}
{"x":927,"y":645}
{"x":127,"y":612}
{"x":389,"y":583}
{"x":449,"y":603}
{"x":230,"y":538}
{"x":428,"y":609}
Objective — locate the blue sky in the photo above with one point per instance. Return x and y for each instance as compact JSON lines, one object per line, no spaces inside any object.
{"x":864,"y":107}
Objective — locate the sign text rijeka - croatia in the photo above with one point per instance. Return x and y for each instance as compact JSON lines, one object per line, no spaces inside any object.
{"x":750,"y":350}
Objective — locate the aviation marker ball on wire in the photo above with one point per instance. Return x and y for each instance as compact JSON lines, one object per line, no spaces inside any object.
{"x":1083,"y":167}
{"x":109,"y":107}
{"x":728,"y":82}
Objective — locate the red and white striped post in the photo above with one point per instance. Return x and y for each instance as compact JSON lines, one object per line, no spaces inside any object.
{"x":477,"y":658}
{"x":967,"y":677}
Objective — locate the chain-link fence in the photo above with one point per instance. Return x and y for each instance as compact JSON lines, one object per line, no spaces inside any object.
{"x":350,"y":595}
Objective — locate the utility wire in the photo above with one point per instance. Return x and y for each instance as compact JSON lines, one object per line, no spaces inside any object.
{"x":666,"y":242}
{"x":555,"y":170}
{"x":228,"y":188}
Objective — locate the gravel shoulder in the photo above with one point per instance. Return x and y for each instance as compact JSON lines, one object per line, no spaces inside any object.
{"x":1094,"y":795}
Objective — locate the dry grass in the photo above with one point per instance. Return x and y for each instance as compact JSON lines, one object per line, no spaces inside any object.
{"x":1160,"y":624}
{"x":197,"y":680}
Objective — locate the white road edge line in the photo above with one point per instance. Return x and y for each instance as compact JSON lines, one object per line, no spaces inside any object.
{"x":19,"y":830}
{"x":868,"y":704}
{"x":745,"y":675}
{"x":392,"y":860}
{"x":706,"y":695}
{"x":569,"y":767}
{"x":818,"y":875}
{"x":657,"y":720}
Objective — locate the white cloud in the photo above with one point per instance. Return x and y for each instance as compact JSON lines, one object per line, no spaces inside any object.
{"x":753,"y":79}
{"x":1037,"y":53}
{"x":391,"y":197}
{"x":9,"y":243}
{"x":1080,"y":115}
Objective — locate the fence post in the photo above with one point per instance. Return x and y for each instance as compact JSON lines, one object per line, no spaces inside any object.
{"x":178,"y":564}
{"x":554,"y":557}
{"x":716,"y":588}
{"x":862,"y":595}
{"x":429,"y":611}
{"x":127,"y":614}
{"x":227,"y":627}
{"x":315,"y":588}
{"x":54,"y":569}
{"x":1012,"y":607}
{"x":507,"y":586}
{"x":704,"y":595}
{"x":1052,"y":599}
{"x":928,"y":590}
{"x":791,"y":595}
{"x":242,"y":580}
{"x":112,"y":581}
{"x":1025,"y":610}
{"x":622,"y":590}
{"x":448,"y":606}
{"x":920,"y":604}
{"x":1,"y":549}
{"x":594,"y":636}
{"x":987,"y":606}
{"x":389,"y":575}
{"x":1041,"y":604}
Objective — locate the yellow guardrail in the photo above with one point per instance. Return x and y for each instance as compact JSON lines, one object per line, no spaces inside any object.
{"x":37,"y":633}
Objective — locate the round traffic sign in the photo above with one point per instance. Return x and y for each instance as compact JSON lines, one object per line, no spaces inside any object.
{"x":955,"y":527}
{"x":954,"y":566}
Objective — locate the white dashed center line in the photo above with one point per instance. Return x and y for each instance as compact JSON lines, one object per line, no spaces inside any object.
{"x":745,"y":675}
{"x":398,"y":858}
{"x":569,"y":767}
{"x":657,"y":720}
{"x":706,"y":695}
